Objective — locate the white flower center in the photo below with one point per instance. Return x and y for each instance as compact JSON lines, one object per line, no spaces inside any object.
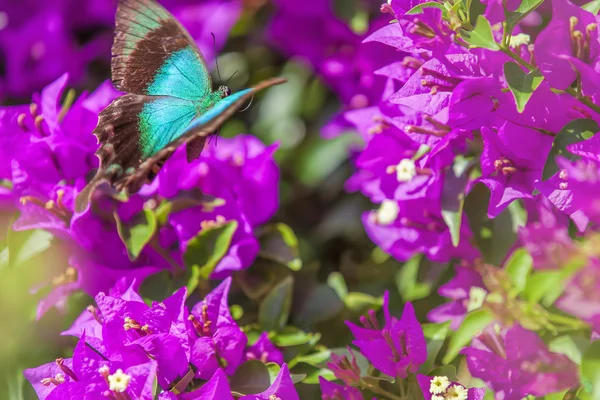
{"x":519,"y":39}
{"x":456,"y":392}
{"x":476,"y":298}
{"x":119,"y":381}
{"x":387,"y":212}
{"x":405,"y":170}
{"x":439,"y":384}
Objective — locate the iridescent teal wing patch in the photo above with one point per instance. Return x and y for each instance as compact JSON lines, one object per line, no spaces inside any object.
{"x":154,"y":55}
{"x":169,"y":100}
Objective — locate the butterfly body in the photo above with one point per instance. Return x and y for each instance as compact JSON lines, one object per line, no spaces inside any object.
{"x":169,"y":99}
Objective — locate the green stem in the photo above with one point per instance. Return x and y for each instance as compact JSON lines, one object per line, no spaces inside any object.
{"x":178,"y":270}
{"x":402,"y":388}
{"x":582,"y":99}
{"x":566,"y":321}
{"x":379,"y":391}
{"x":517,"y":58}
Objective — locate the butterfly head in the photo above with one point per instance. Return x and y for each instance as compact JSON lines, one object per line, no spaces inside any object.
{"x":225,"y":91}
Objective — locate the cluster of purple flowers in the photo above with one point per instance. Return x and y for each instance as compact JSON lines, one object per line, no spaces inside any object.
{"x":437,"y":116}
{"x":507,"y":99}
{"x":443,"y":101}
{"x":39,"y":41}
{"x":236,"y":181}
{"x":126,"y":346}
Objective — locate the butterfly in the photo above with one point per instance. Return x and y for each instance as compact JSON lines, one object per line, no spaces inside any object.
{"x":169,"y":99}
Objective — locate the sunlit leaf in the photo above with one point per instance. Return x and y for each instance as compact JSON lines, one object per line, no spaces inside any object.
{"x":137,"y":232}
{"x":575,"y":131}
{"x":292,"y":336}
{"x":518,"y":267}
{"x":526,"y":6}
{"x":521,"y":84}
{"x":473,"y":323}
{"x":590,"y":368}
{"x":279,"y":243}
{"x":592,"y":7}
{"x":419,"y":8}
{"x":481,"y":36}
{"x":206,"y":250}
{"x":407,"y":281}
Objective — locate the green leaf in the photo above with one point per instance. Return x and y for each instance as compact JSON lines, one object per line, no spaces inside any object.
{"x":436,"y":331}
{"x":518,"y":267}
{"x":592,"y":7}
{"x":481,"y":35}
{"x":275,"y":308}
{"x":541,"y":284}
{"x":237,"y":312}
{"x":206,"y":249}
{"x":573,"y":346}
{"x":250,"y":378}
{"x":419,"y":8}
{"x":407,"y":281}
{"x":315,"y":359}
{"x":473,"y":323}
{"x":162,"y":212}
{"x":137,"y":232}
{"x":22,"y":246}
{"x":273,"y":370}
{"x":518,"y":215}
{"x":436,"y":335}
{"x":573,"y":132}
{"x":590,"y":368}
{"x":556,"y":396}
{"x":453,"y":197}
{"x":279,"y":243}
{"x":514,"y":17}
{"x":521,"y":84}
{"x":292,"y":336}
{"x":337,"y":283}
{"x":313,"y":377}
{"x":361,"y":302}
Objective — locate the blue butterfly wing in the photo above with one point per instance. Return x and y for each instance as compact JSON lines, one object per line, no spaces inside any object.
{"x":153,"y":54}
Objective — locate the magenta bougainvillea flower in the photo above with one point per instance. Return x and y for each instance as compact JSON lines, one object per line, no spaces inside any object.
{"x":397,"y":348}
{"x":218,"y":341}
{"x":333,"y":391}
{"x":264,"y":350}
{"x":89,"y":374}
{"x":516,"y":363}
{"x":281,"y":388}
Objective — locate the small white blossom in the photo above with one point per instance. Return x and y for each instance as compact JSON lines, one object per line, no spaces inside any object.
{"x":119,"y":381}
{"x":476,"y":298}
{"x":387,"y":212}
{"x":456,"y":392}
{"x":406,"y":170}
{"x":520,"y":39}
{"x":439,"y":384}
{"x":436,"y":397}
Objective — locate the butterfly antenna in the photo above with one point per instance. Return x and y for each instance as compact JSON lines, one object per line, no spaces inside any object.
{"x":230,"y":78}
{"x":216,"y":63}
{"x":249,"y":104}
